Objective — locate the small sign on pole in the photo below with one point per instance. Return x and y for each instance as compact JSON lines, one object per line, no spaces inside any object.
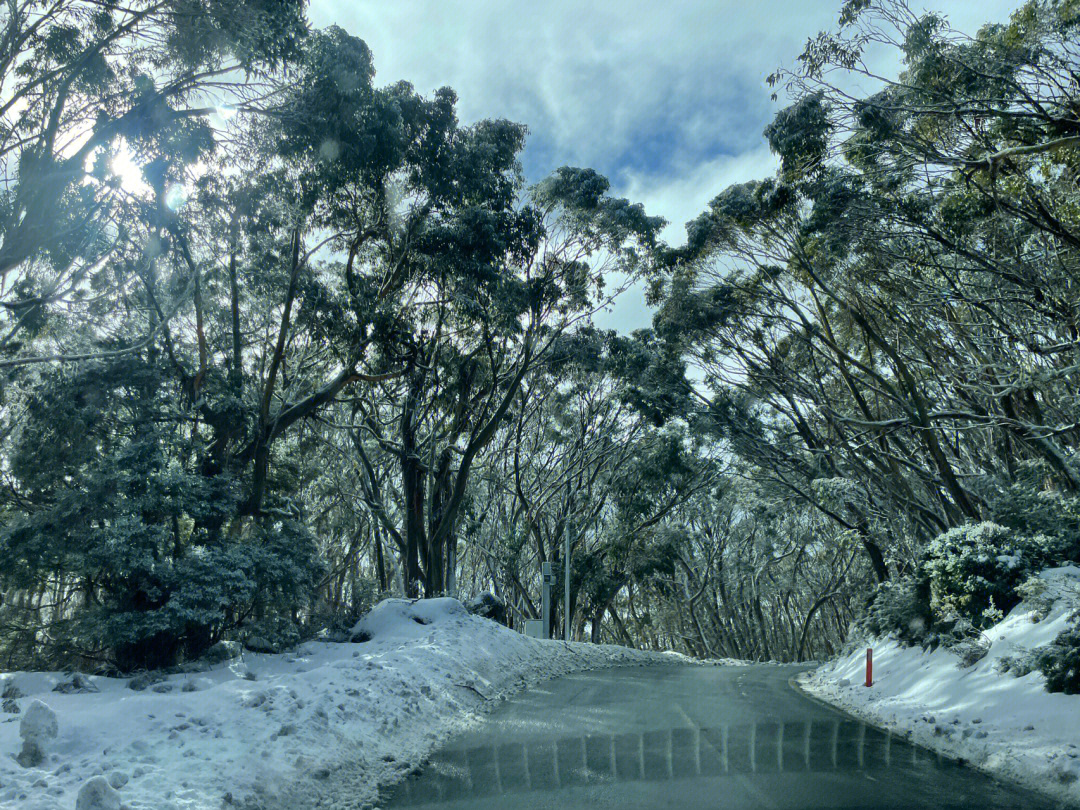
{"x":547,"y":578}
{"x":869,"y":666}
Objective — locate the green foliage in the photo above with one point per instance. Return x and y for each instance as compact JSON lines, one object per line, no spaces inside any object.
{"x":181,"y":606}
{"x":652,"y":376}
{"x":164,"y":570}
{"x":582,"y":195}
{"x":900,"y":607}
{"x":971,"y":650}
{"x":974,"y":570}
{"x":879,"y":326}
{"x":261,"y":317}
{"x":1018,"y":664}
{"x":1059,"y":662}
{"x":1033,"y":592}
{"x":799,"y":135}
{"x":736,"y":211}
{"x":337,"y":341}
{"x":1028,"y":506}
{"x":260,"y":34}
{"x":970,"y":577}
{"x":335,"y":622}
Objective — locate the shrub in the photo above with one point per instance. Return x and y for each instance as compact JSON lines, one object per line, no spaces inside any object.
{"x":1059,"y":662}
{"x":1032,"y":591}
{"x":900,"y":607}
{"x":335,"y":621}
{"x":148,"y":553}
{"x":974,"y":570}
{"x":972,"y":650}
{"x":268,"y":574}
{"x":956,"y":633}
{"x":1018,"y":665}
{"x":1028,"y":507}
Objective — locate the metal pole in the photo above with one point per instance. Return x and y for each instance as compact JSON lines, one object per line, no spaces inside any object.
{"x":566,"y":577}
{"x":545,"y":598}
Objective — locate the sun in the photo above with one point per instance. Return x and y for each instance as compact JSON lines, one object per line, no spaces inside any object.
{"x":129,"y":172}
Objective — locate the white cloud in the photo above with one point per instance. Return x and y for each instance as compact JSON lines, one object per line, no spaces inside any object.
{"x":586,"y":76}
{"x":668,"y":99}
{"x":681,"y":198}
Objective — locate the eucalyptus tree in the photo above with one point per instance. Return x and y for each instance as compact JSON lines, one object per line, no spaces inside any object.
{"x":886,"y":328}
{"x":87,"y":90}
{"x":757,"y":576}
{"x":255,"y":280}
{"x":593,"y":457}
{"x":490,"y":282}
{"x":102,"y":489}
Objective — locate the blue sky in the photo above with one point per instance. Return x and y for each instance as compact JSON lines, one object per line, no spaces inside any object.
{"x":668,"y":99}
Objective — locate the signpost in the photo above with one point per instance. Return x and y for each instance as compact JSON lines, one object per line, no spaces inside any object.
{"x":566,"y":581}
{"x":549,"y":579}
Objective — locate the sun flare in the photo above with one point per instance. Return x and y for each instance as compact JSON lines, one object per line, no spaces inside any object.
{"x":128,"y":171}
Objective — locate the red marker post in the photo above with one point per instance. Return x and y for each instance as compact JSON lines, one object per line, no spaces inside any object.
{"x":869,"y":667}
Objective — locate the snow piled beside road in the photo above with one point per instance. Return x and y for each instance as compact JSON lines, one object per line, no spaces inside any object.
{"x":326,"y":722}
{"x":1007,"y":726}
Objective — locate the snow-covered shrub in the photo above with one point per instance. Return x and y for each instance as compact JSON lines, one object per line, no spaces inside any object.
{"x":959,"y":634}
{"x":335,"y":622}
{"x":972,"y":650}
{"x":1059,"y":662}
{"x":150,"y":546}
{"x":273,"y":633}
{"x":273,"y":572}
{"x":1020,"y":664}
{"x":1033,"y":592}
{"x":79,"y":684}
{"x":900,"y":607}
{"x":974,"y":570}
{"x":1028,"y":507}
{"x":489,"y":606}
{"x":223,"y":651}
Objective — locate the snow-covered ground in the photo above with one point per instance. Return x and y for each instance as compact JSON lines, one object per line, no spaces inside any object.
{"x":1008,"y":726}
{"x":325,"y":721}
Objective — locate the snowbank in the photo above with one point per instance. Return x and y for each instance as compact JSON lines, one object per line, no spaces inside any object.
{"x":283,"y":730}
{"x":1005,"y":725}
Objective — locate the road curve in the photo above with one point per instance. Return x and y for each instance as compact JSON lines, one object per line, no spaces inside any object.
{"x":688,"y":737}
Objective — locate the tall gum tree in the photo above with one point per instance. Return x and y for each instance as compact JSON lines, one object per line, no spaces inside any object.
{"x":894,"y":312}
{"x":495,"y":281}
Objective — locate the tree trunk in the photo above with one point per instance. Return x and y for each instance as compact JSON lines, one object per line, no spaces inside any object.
{"x":412,"y":488}
{"x":380,"y":562}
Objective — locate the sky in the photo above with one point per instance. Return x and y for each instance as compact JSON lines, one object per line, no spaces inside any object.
{"x":666,"y":99}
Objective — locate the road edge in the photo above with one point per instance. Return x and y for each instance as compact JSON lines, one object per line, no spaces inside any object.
{"x":488,"y":703}
{"x":1034,"y":785}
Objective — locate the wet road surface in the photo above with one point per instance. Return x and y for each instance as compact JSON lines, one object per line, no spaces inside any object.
{"x":682,"y":737}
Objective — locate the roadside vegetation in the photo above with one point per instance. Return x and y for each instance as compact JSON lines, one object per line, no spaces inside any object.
{"x":278,"y":340}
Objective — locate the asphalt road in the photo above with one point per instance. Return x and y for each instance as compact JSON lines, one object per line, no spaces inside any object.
{"x":687,"y":738}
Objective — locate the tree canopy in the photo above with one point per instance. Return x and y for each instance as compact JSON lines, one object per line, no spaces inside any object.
{"x":278,"y":339}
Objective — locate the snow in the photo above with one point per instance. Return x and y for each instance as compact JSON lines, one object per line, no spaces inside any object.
{"x":1008,"y":726}
{"x":324,"y":721}
{"x":97,"y":794}
{"x":38,"y":723}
